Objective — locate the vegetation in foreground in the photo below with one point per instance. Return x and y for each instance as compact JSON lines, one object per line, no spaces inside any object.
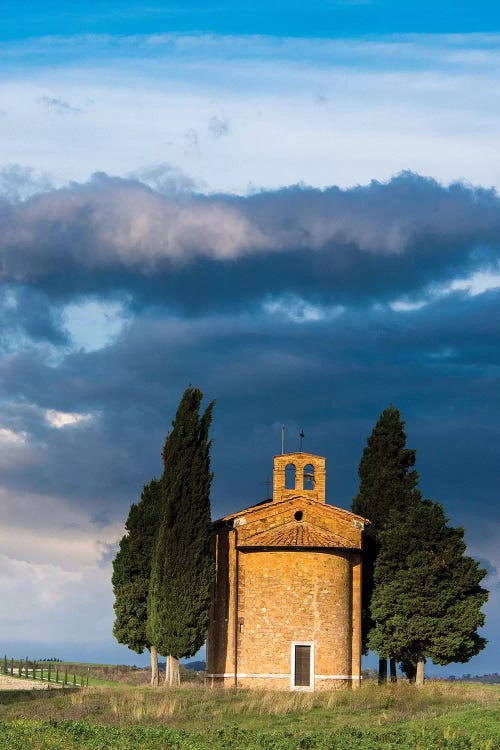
{"x":440,"y":715}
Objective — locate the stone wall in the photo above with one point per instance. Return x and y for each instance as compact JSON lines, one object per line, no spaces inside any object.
{"x":299,"y":460}
{"x":294,"y":595}
{"x":284,"y":596}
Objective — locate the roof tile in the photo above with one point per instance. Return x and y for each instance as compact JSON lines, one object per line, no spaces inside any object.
{"x":297,"y":535}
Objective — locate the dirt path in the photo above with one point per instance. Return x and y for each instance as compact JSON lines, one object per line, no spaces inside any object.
{"x":15,"y":683}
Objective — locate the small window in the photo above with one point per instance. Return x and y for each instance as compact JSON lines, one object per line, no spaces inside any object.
{"x":298,"y":515}
{"x":308,"y":483}
{"x":302,"y":672}
{"x":290,"y":477}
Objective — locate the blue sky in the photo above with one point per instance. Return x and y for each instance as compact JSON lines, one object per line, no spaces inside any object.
{"x":295,"y":209}
{"x":236,"y":113}
{"x":317,"y":18}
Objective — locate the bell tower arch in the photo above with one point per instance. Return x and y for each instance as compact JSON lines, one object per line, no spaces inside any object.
{"x":309,"y":472}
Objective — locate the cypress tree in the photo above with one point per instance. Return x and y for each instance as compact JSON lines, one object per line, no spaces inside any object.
{"x":427,"y":597}
{"x":182,"y":568}
{"x":388,"y":484}
{"x":131,"y":574}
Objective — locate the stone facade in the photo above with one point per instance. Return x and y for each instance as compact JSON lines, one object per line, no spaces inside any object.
{"x":286,"y":607}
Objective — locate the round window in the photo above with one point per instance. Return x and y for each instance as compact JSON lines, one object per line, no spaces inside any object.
{"x":298,"y":515}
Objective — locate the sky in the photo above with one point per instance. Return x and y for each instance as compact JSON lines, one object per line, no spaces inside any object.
{"x":293,"y":208}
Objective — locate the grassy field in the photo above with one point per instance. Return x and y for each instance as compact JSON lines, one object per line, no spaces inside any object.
{"x":440,"y":715}
{"x":98,"y":675}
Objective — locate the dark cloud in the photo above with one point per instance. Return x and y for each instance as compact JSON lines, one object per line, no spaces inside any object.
{"x":195,"y":252}
{"x":331,"y":377}
{"x":28,"y":312}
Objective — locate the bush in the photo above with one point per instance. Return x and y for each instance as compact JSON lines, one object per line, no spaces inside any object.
{"x":69,"y":735}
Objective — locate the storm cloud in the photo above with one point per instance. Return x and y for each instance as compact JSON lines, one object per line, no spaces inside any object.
{"x":111,"y":224}
{"x":304,"y":307}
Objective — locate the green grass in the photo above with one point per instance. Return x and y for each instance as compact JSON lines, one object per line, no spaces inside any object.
{"x":98,"y":682}
{"x":63,"y":735}
{"x":98,"y":675}
{"x":438,"y":716}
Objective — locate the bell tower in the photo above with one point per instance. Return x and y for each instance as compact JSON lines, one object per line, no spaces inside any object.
{"x":299,"y":474}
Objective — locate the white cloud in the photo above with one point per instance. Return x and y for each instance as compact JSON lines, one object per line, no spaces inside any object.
{"x":60,"y":419}
{"x":473,"y":285}
{"x":53,"y":531}
{"x":477,"y":283}
{"x":10,"y":437}
{"x":55,"y":571}
{"x":416,"y":102}
{"x":45,"y":602}
{"x":291,"y":307}
{"x":19,"y":452}
{"x":402,"y":305}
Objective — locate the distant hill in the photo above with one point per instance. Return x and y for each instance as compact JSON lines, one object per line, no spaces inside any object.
{"x":196,"y":666}
{"x":486,"y":679}
{"x":193,"y":666}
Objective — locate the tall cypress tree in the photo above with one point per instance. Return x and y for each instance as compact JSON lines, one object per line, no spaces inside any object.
{"x":388,"y":484}
{"x":183,"y":570}
{"x":132,"y":572}
{"x":427,"y":597}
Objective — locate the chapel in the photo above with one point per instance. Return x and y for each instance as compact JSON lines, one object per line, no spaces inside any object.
{"x":286,"y":605}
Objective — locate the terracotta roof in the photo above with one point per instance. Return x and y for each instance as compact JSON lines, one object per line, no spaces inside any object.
{"x":297,"y":535}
